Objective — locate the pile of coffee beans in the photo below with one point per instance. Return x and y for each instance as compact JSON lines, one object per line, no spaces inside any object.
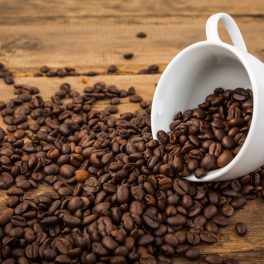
{"x":45,"y":71}
{"x":209,"y":136}
{"x":116,"y":196}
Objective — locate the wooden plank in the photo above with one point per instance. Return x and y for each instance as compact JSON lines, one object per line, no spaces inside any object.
{"x":249,"y":249}
{"x":37,"y":10}
{"x":94,"y":44}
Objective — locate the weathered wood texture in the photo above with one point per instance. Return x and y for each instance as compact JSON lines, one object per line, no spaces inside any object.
{"x":90,"y":35}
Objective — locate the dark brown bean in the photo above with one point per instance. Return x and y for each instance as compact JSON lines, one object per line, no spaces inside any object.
{"x":241,"y":228}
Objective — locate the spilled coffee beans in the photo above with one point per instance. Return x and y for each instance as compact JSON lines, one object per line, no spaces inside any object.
{"x":117,"y":195}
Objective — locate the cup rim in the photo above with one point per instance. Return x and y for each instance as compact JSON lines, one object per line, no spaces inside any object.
{"x":217,"y":174}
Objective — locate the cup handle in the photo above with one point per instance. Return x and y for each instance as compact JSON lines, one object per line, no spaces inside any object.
{"x":231,"y":27}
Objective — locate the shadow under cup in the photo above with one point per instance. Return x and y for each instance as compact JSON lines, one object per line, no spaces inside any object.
{"x":193,"y":75}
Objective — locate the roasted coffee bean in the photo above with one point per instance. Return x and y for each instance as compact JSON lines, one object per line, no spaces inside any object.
{"x":241,"y":228}
{"x":128,"y":55}
{"x":32,"y":251}
{"x":112,"y":69}
{"x":141,"y":34}
{"x":81,"y":175}
{"x":192,"y":254}
{"x":208,"y":162}
{"x":208,"y":237}
{"x":176,"y":220}
{"x":224,"y":158}
{"x":135,"y":98}
{"x":238,"y":202}
{"x":210,"y":211}
{"x":66,"y":171}
{"x":221,"y":220}
{"x":199,"y":173}
{"x":211,"y":227}
{"x":75,"y":203}
{"x":6,"y":215}
{"x":213,"y":259}
{"x":122,"y":193}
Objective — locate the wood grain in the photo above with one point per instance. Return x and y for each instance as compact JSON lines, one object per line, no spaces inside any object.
{"x":37,"y":10}
{"x":90,"y":35}
{"x":67,"y":38}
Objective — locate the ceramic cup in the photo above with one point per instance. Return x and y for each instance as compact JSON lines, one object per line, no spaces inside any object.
{"x":200,"y":68}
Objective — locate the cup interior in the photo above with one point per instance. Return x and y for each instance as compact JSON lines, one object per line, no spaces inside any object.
{"x":190,"y":77}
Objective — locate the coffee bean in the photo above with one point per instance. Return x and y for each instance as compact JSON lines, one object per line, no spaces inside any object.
{"x":81,"y":175}
{"x":224,"y":158}
{"x":71,"y":220}
{"x":241,"y":228}
{"x":213,"y":259}
{"x":192,"y":254}
{"x":211,"y":227}
{"x":208,"y":162}
{"x":208,"y":237}
{"x":141,"y":35}
{"x":112,"y":69}
{"x":199,"y":173}
{"x":228,"y":210}
{"x":176,"y":220}
{"x":151,"y":220}
{"x":32,"y":251}
{"x":135,"y":98}
{"x":67,"y":171}
{"x":221,"y":220}
{"x":128,"y":55}
{"x":74,"y":204}
{"x":193,"y":238}
{"x":5,"y":216}
{"x":238,"y":202}
{"x":210,"y":211}
{"x":145,"y":240}
{"x":228,"y":142}
{"x":122,"y":193}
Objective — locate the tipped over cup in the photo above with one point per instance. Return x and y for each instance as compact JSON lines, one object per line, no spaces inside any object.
{"x":195,"y":72}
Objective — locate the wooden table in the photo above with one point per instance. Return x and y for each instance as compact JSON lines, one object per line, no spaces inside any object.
{"x":90,"y":35}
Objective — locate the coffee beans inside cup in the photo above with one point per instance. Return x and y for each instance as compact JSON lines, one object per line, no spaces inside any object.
{"x":210,"y":136}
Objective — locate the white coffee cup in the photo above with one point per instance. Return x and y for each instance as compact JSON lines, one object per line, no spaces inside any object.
{"x":200,"y":68}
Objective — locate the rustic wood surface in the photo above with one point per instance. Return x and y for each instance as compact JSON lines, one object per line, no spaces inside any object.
{"x":90,"y":35}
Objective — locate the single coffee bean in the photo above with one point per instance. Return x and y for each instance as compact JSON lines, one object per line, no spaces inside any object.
{"x":192,"y":254}
{"x":238,"y":202}
{"x":241,"y":228}
{"x":141,"y":34}
{"x":128,"y":55}
{"x":122,"y":193}
{"x":67,"y":171}
{"x":135,"y":98}
{"x":213,"y":259}
{"x":112,"y":69}
{"x":208,"y":162}
{"x":6,"y":215}
{"x":208,"y":237}
{"x":71,"y":220}
{"x":210,"y":211}
{"x":81,"y":175}
{"x":224,"y":158}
